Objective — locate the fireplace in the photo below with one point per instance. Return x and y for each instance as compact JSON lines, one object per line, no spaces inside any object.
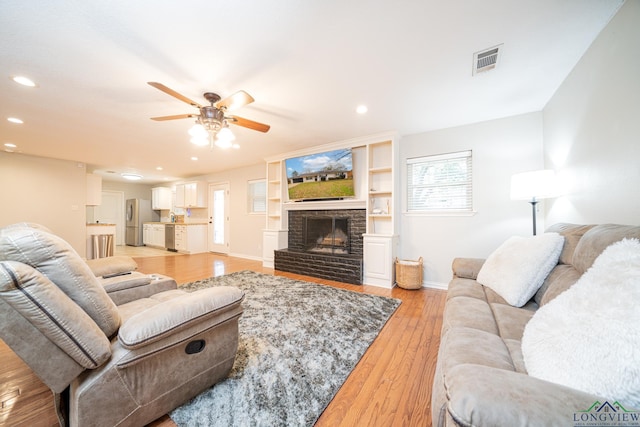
{"x":327,"y":235}
{"x":324,"y":243}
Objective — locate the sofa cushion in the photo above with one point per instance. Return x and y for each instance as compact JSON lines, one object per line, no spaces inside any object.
{"x":597,"y":240}
{"x":468,"y":345}
{"x":588,"y":337}
{"x":572,"y":234}
{"x":511,"y":320}
{"x":468,"y":312}
{"x":519,"y":266}
{"x":561,"y":278}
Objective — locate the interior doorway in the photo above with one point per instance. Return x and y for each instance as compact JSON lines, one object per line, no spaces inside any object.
{"x":218,"y":218}
{"x":111,"y":211}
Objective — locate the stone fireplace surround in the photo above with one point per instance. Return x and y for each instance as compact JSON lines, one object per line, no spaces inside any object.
{"x":339,"y":267}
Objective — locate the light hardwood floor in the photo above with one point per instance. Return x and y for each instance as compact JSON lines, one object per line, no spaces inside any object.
{"x":390,"y":386}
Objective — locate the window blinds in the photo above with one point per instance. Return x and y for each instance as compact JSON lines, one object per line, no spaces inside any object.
{"x":440,"y":183}
{"x":257,"y":196}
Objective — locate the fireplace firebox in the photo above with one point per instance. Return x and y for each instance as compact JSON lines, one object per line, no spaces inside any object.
{"x":327,"y":235}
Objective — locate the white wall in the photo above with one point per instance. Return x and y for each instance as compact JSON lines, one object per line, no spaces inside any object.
{"x":245,"y":229}
{"x":500,"y":149}
{"x":592,"y":129}
{"x":46,"y":191}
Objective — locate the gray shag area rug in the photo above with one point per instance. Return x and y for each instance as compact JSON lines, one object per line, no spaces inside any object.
{"x":298,"y":343}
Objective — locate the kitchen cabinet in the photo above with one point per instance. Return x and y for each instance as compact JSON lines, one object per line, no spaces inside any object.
{"x":192,"y":195}
{"x":191,"y":239}
{"x":153,"y":235}
{"x":161,"y":198}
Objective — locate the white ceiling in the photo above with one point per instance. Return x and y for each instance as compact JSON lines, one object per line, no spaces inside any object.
{"x":308,"y":64}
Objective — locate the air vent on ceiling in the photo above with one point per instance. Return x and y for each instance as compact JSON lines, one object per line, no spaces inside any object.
{"x":486,"y":60}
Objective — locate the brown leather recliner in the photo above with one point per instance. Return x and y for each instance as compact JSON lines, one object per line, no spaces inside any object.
{"x":122,"y":365}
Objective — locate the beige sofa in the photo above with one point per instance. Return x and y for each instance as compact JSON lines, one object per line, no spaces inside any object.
{"x":481,"y":378}
{"x":110,"y":364}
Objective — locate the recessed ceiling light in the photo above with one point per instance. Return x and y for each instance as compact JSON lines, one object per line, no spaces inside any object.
{"x":15,"y":120}
{"x":158,"y":168}
{"x":194,"y":158}
{"x":361,"y":109}
{"x":24,"y":81}
{"x":131,"y":176}
{"x":10,"y":145}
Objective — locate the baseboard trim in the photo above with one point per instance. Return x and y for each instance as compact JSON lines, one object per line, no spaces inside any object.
{"x":251,"y":257}
{"x":435,"y":285}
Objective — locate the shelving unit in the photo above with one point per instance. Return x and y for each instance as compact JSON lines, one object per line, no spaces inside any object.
{"x":274,"y":196}
{"x":380,"y":209}
{"x":381,"y":241}
{"x":275,"y":233}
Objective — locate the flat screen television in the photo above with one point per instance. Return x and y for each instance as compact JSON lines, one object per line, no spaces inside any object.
{"x":321,"y":176}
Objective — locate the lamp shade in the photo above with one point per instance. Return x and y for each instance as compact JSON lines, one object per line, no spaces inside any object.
{"x":534,"y":185}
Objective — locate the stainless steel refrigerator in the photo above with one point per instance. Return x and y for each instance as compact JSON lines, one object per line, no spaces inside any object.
{"x":137,"y":212}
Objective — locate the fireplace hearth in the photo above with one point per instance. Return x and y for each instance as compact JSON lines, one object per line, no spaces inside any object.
{"x":324,"y":243}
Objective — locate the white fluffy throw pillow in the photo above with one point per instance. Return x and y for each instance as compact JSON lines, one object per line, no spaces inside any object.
{"x":517,"y":269}
{"x":588,"y":337}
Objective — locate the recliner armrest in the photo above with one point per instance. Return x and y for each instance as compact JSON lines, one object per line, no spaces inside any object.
{"x":135,"y":285}
{"x":112,"y":265}
{"x":174,"y":315}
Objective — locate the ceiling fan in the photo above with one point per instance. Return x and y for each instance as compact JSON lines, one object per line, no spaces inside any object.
{"x":212,"y":121}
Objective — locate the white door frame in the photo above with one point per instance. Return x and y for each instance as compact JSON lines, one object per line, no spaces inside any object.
{"x":115,"y":214}
{"x":212,"y":246}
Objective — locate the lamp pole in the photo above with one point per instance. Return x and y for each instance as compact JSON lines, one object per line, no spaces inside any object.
{"x":534,"y":202}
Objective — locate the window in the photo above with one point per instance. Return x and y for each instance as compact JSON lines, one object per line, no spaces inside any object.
{"x":257,"y":196}
{"x":441,"y":183}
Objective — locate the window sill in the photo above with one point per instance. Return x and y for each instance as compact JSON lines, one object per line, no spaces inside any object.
{"x":440,"y":213}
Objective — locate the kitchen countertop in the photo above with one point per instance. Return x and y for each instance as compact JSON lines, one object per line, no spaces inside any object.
{"x":100,"y":224}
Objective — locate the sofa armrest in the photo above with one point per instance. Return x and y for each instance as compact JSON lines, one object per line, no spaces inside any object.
{"x":485,"y":396}
{"x":467,"y":268}
{"x":174,"y":315}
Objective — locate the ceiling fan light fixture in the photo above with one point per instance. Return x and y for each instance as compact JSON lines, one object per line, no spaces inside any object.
{"x":200,"y":140}
{"x":225,"y":134}
{"x":224,"y":138}
{"x":198,"y":130}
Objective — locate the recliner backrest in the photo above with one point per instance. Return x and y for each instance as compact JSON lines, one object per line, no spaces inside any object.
{"x":59,"y":262}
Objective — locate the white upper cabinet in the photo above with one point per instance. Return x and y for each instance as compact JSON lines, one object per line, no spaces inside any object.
{"x":161,"y":198}
{"x":191,"y":195}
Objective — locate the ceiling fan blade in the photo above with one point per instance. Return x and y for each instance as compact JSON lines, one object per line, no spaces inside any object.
{"x":237,"y":100}
{"x":174,"y":117}
{"x":173,"y":93}
{"x":261,"y":127}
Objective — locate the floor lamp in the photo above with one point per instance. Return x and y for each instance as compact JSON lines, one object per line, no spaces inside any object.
{"x":533,"y":186}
